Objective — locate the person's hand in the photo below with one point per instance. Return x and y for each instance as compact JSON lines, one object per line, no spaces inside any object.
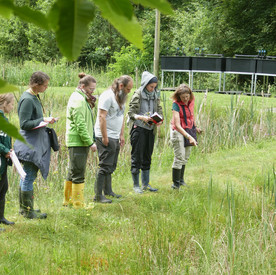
{"x":51,"y":120}
{"x":122,"y":141}
{"x":8,"y":155}
{"x":192,"y":140}
{"x":105,"y":141}
{"x":93,"y":147}
{"x":146,"y":119}
{"x":159,"y":123}
{"x":198,"y":130}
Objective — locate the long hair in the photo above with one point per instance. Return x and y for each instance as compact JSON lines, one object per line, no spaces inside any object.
{"x":182,"y":89}
{"x":124,"y":79}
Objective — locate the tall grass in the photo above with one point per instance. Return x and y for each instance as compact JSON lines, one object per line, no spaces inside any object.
{"x":224,"y":223}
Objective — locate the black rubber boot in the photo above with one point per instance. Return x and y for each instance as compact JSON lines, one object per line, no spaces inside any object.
{"x":182,"y":182}
{"x":21,"y":209}
{"x":2,"y":210}
{"x":136,"y":185}
{"x":28,"y":206}
{"x":145,"y":181}
{"x":98,"y":188}
{"x":176,"y":178}
{"x":108,"y":187}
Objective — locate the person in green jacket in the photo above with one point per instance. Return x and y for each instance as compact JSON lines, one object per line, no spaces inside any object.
{"x":79,"y":138}
{"x":6,"y":106}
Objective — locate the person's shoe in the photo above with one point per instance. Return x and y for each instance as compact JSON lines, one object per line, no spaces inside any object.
{"x":175,"y":186}
{"x":148,"y":187}
{"x":182,"y":183}
{"x":6,"y":222}
{"x":138,"y":190}
{"x":102,"y":199}
{"x":27,"y":204}
{"x":67,"y":200}
{"x":78,"y":195}
{"x":112,"y":194}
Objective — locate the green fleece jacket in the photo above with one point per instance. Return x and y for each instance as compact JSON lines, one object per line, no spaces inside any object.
{"x":79,"y":121}
{"x":5,"y":146}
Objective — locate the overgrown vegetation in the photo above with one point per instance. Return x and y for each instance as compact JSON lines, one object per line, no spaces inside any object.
{"x":223,"y":223}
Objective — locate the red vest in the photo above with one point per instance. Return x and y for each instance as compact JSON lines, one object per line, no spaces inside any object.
{"x":189,"y":110}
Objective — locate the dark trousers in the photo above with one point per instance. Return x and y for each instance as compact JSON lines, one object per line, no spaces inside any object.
{"x":108,"y":155}
{"x":3,"y":186}
{"x":77,"y":164}
{"x":142,"y":142}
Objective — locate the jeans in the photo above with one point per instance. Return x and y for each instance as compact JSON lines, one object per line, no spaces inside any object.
{"x":31,"y":174}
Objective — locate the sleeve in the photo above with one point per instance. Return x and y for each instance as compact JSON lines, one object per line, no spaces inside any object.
{"x":25,"y":111}
{"x":78,"y":117}
{"x":134,"y":105}
{"x":104,"y":102}
{"x":175,"y":107}
{"x":3,"y":149}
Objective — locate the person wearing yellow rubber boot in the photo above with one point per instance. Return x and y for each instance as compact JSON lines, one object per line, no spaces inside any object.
{"x":79,"y":139}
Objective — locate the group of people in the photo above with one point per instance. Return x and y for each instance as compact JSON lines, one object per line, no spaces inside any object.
{"x":104,"y":135}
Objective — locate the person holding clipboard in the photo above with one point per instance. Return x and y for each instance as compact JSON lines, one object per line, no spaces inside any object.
{"x":32,"y":128}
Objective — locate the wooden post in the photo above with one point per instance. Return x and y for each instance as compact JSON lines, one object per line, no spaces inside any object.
{"x":156,"y":43}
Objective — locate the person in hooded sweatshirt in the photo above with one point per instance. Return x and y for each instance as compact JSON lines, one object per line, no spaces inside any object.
{"x":144,"y":103}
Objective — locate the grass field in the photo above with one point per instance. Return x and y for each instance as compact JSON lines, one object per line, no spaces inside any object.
{"x":224,"y":223}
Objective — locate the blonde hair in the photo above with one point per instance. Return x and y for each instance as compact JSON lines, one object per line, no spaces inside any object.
{"x":6,"y":98}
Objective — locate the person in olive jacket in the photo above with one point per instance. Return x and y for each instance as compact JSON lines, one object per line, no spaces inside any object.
{"x":6,"y":106}
{"x":79,"y":138}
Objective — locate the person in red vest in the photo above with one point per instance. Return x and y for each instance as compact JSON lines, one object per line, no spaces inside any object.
{"x":182,"y":122}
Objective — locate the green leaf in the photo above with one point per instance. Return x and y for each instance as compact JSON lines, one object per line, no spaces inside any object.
{"x":126,"y":25}
{"x":5,"y":87}
{"x":69,"y":19}
{"x":6,"y":8}
{"x":162,"y":5}
{"x":31,"y":16}
{"x":10,"y":129}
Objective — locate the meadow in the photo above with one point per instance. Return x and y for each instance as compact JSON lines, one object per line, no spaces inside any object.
{"x":223,"y":223}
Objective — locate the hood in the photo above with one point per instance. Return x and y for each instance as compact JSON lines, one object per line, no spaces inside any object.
{"x":146,"y":77}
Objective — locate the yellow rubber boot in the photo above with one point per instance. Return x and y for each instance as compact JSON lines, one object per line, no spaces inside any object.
{"x":67,"y":193}
{"x":77,"y":195}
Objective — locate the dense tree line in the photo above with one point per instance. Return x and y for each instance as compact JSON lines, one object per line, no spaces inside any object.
{"x":225,"y":27}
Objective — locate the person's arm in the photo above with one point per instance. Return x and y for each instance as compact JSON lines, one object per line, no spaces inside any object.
{"x":78,"y":117}
{"x":25,"y":111}
{"x":102,"y":120}
{"x":178,"y":127}
{"x":134,"y":108}
{"x":122,"y":137}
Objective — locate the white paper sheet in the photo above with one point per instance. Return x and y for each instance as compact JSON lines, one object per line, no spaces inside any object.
{"x":18,"y":165}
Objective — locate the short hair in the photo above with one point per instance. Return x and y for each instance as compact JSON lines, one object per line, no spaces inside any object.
{"x":182,"y":89}
{"x":6,"y":98}
{"x":38,"y":78}
{"x":86,"y":79}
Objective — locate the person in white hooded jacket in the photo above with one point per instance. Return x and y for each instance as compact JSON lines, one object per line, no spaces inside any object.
{"x":144,"y":103}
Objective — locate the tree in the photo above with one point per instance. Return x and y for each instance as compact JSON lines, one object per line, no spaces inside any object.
{"x":69,"y":20}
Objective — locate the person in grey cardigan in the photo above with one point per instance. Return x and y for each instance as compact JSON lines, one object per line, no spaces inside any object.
{"x":37,"y":156}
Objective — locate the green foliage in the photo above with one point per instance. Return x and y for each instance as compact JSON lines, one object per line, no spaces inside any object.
{"x":126,"y":61}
